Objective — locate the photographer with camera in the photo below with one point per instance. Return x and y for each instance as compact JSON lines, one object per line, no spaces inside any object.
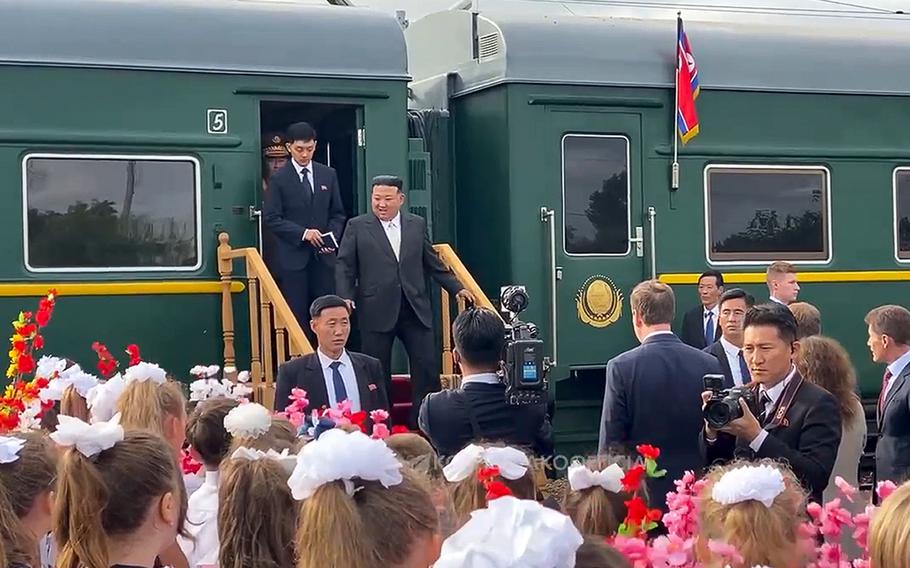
{"x":479,"y":410}
{"x":779,"y":415}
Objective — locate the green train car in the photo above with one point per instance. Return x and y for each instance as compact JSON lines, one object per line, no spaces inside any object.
{"x":562,"y":136}
{"x":130,"y":136}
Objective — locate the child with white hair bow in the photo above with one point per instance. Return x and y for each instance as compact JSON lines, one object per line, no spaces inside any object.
{"x":596,"y":499}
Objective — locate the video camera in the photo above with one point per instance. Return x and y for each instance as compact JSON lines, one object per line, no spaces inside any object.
{"x":524,"y":365}
{"x":723,"y":406}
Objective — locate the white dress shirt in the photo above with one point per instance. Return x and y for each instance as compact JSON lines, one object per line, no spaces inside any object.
{"x":773,"y":394}
{"x":393,"y":233}
{"x":202,"y":524}
{"x":655,"y":333}
{"x":309,"y":173}
{"x":481,"y":378}
{"x":896,"y":368}
{"x":732,"y":353}
{"x":347,"y":375}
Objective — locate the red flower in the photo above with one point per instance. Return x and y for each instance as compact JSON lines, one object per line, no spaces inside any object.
{"x":648,"y":452}
{"x":496,"y":489}
{"x":41,"y":383}
{"x":38,"y":342}
{"x":399,"y":429}
{"x":359,"y":419}
{"x":632,"y":479}
{"x":27,"y":330}
{"x":43,"y":317}
{"x":25,"y":364}
{"x":636,"y":510}
{"x":133,"y":351}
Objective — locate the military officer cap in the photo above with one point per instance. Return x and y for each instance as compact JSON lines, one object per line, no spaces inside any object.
{"x":273,"y":146}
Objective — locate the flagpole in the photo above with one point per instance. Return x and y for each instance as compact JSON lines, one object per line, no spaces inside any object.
{"x":674,"y":182}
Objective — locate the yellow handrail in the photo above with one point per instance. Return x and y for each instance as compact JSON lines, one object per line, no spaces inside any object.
{"x":272,"y":323}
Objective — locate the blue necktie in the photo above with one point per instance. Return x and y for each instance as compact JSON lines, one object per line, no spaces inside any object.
{"x":341,"y":393}
{"x":744,"y":369}
{"x":709,"y":328}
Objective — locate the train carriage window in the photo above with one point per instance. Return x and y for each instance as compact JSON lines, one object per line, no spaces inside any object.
{"x":766,"y":213}
{"x":595,"y":184}
{"x":94,"y":213}
{"x":902,"y":212}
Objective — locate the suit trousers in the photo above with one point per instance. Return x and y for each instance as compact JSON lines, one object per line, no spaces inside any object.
{"x":301,"y":287}
{"x":419,"y":343}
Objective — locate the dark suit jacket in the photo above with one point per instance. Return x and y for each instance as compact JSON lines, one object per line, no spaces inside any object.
{"x":290,"y":210}
{"x":693,"y":328}
{"x":306,"y":373}
{"x":368,"y":272}
{"x":892,"y":451}
{"x":445,"y":418}
{"x":808,"y":441}
{"x":717,"y":350}
{"x":653,"y":396}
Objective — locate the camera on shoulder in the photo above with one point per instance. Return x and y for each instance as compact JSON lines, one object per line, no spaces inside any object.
{"x":524,"y":365}
{"x":723,"y":406}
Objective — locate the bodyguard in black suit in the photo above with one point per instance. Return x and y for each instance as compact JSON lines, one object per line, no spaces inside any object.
{"x":729,"y":348}
{"x":478,"y":411}
{"x":302,"y":203}
{"x":889,"y":341}
{"x":798,"y":423}
{"x":653,"y":392}
{"x":333,"y":374}
{"x":701,"y":325}
{"x":384,"y":260}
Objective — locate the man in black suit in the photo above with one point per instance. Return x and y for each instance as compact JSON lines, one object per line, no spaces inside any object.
{"x":889,"y":341}
{"x":383,"y":262}
{"x":700,"y":327}
{"x":478,"y":411}
{"x":729,"y":348}
{"x":652,"y":394}
{"x":304,"y":203}
{"x":798,"y":423}
{"x":333,"y":374}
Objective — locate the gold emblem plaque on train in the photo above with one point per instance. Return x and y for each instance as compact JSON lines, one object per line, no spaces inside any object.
{"x":599,"y":302}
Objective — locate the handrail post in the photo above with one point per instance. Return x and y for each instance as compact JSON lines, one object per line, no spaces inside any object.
{"x":225,"y":265}
{"x":448,"y":363}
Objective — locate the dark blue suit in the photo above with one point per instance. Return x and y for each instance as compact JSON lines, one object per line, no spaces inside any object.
{"x":291,"y":209}
{"x":653,"y":396}
{"x":892,"y":451}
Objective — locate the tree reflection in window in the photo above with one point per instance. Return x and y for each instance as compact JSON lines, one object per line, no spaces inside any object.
{"x":902,"y":202}
{"x":111,"y":213}
{"x":596,"y":194}
{"x":767,"y":214}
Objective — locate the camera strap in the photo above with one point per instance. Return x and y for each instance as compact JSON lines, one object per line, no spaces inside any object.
{"x":779,"y":411}
{"x":472,"y":416}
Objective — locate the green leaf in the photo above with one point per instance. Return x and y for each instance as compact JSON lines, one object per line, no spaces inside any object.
{"x":660,"y":473}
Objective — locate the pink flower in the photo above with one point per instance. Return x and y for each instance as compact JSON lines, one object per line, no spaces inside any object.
{"x":671,"y":550}
{"x":634,"y":549}
{"x":884,"y":489}
{"x":845,"y":488}
{"x":372,"y":386}
{"x":380,"y":431}
{"x":379,"y":415}
{"x":725,"y":551}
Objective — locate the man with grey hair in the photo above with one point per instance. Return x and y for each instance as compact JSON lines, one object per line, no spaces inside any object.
{"x":889,"y":342}
{"x":653,"y":392}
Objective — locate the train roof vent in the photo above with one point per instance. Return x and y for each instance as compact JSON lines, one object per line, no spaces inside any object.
{"x":489,"y":45}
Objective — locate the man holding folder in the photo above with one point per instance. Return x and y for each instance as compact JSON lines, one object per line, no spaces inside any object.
{"x":303,"y":209}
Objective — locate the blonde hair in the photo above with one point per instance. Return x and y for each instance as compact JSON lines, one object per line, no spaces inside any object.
{"x":767,"y":536}
{"x":595,"y":510}
{"x":779,"y":268}
{"x":824,"y":362}
{"x":74,"y":404}
{"x":256,"y":515}
{"x":281,"y":435}
{"x":375,"y":528}
{"x":144,"y":405}
{"x":889,"y":531}
{"x":21,"y":483}
{"x":110,"y":494}
{"x":469,"y":494}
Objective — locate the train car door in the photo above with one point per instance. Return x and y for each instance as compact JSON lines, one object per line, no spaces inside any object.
{"x":596,"y":234}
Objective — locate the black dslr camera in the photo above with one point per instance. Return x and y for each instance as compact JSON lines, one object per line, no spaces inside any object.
{"x":723,"y":406}
{"x":524,"y":366}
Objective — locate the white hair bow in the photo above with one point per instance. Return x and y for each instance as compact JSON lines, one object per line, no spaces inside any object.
{"x":143,"y":371}
{"x":49,"y":366}
{"x":102,"y":398}
{"x":88,"y":439}
{"x":512,"y":463}
{"x":341,"y":456}
{"x":760,"y":483}
{"x":9,"y":448}
{"x":610,"y":478}
{"x":75,"y":377}
{"x":249,"y":420}
{"x":510,"y":533}
{"x":285,"y":459}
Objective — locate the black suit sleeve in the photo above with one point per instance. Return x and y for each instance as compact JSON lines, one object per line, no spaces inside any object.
{"x":813,"y":460}
{"x":435,"y":268}
{"x":614,"y":425}
{"x":336,"y":210}
{"x":275,"y":220}
{"x":286,"y":381}
{"x":721,"y":450}
{"x":382,"y":396}
{"x":423,"y":420}
{"x":346,"y":263}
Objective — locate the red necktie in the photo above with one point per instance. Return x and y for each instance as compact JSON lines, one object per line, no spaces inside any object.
{"x":881,"y":397}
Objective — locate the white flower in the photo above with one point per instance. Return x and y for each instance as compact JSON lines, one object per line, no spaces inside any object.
{"x":244,"y":376}
{"x":143,"y":371}
{"x":212,"y":370}
{"x":249,"y":420}
{"x":49,"y":366}
{"x":198,"y":371}
{"x":339,"y":455}
{"x":760,"y":483}
{"x":102,"y":399}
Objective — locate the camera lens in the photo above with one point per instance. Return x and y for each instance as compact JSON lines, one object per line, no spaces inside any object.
{"x":717,"y":415}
